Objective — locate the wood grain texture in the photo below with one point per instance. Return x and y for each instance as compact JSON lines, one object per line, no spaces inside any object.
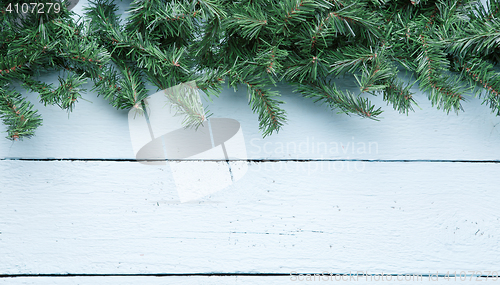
{"x":97,"y":130}
{"x":212,"y":280}
{"x":109,"y":217}
{"x":124,"y":217}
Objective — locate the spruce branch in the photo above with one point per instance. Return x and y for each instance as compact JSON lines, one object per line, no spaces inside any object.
{"x":348,"y":103}
{"x":18,"y":115}
{"x":174,"y":19}
{"x":295,"y":11}
{"x":480,"y":39}
{"x":271,"y":58}
{"x":375,"y":78}
{"x":130,"y":90}
{"x":432,"y":65}
{"x":248,"y":22}
{"x":262,"y":101}
{"x":306,"y":69}
{"x":107,"y":84}
{"x":350,"y":59}
{"x":481,"y":74}
{"x":399,"y":96}
{"x":212,"y":9}
{"x":377,"y":72}
{"x":65,"y":96}
{"x":451,"y":46}
{"x":211,"y":82}
{"x":185,"y":99}
{"x":350,"y":19}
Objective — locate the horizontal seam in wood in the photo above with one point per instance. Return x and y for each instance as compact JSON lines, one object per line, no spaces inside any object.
{"x":249,"y":160}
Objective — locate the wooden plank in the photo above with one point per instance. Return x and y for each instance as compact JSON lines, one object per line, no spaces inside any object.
{"x":215,"y":280}
{"x":126,"y":217}
{"x":97,"y":130}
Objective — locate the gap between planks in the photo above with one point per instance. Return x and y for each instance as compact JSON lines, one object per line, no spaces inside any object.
{"x":424,"y":275}
{"x":250,"y":160}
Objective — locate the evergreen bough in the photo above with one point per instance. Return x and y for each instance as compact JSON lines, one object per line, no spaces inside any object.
{"x":450,"y":46}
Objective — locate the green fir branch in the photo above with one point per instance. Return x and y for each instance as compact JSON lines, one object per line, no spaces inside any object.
{"x":348,"y":103}
{"x":18,"y":115}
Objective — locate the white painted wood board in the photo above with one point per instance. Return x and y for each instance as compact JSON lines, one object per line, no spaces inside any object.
{"x":125,"y":217}
{"x":111,"y":217}
{"x":214,"y":280}
{"x":97,"y":130}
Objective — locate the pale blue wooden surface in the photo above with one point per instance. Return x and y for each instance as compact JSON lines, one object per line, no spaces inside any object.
{"x":97,"y":130}
{"x":124,"y":217}
{"x":213,"y":280}
{"x":110,"y":217}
